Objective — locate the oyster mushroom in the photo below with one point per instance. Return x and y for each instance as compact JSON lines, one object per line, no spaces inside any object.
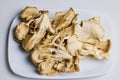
{"x":32,"y":40}
{"x":66,"y":32}
{"x":73,"y":45}
{"x":46,"y":68}
{"x":29,"y":13}
{"x":93,"y":29}
{"x":35,"y":57}
{"x":83,"y":44}
{"x":40,"y":54}
{"x":66,"y":20}
{"x":104,"y":45}
{"x":98,"y":51}
{"x":21,"y":31}
{"x":58,"y":17}
{"x":56,"y":55}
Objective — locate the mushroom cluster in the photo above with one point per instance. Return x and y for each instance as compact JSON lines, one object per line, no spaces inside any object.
{"x":57,"y":45}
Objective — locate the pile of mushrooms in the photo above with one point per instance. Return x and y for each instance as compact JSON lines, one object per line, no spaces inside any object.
{"x":57,"y":45}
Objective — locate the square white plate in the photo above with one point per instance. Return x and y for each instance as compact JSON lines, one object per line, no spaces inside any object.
{"x":21,"y":65}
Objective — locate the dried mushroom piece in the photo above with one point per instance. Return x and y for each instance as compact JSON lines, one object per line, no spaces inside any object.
{"x":95,"y":51}
{"x":29,"y":13}
{"x":93,"y":28}
{"x":66,"y":32}
{"x":58,"y":17}
{"x":32,"y":40}
{"x":104,"y":45}
{"x":34,"y":25}
{"x":43,"y":52}
{"x":21,"y":31}
{"x":83,"y":44}
{"x":73,"y":45}
{"x":35,"y":57}
{"x":66,"y":20}
{"x":46,"y":68}
{"x":40,"y":54}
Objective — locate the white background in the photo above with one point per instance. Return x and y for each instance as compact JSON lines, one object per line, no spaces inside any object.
{"x":10,"y":8}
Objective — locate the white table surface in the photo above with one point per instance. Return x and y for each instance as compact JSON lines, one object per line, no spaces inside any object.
{"x":10,"y":8}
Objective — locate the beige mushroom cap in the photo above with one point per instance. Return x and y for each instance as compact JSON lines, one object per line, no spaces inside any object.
{"x":29,"y":13}
{"x":21,"y":31}
{"x":93,"y":28}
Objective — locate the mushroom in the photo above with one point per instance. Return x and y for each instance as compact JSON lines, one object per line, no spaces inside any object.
{"x":35,"y":58}
{"x":58,"y":17}
{"x":29,"y":13}
{"x":53,"y":54}
{"x":98,"y":51}
{"x":46,"y":68}
{"x":104,"y":45}
{"x":83,"y":44}
{"x":21,"y":31}
{"x":73,"y":45}
{"x":66,"y":32}
{"x":32,"y":40}
{"x":40,"y":54}
{"x":93,"y":29}
{"x":66,"y":20}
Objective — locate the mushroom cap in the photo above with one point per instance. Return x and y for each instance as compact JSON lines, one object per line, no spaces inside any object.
{"x":21,"y":31}
{"x":93,"y":29}
{"x":29,"y":13}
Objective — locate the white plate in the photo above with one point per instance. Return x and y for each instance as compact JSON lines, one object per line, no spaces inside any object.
{"x":20,"y":64}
